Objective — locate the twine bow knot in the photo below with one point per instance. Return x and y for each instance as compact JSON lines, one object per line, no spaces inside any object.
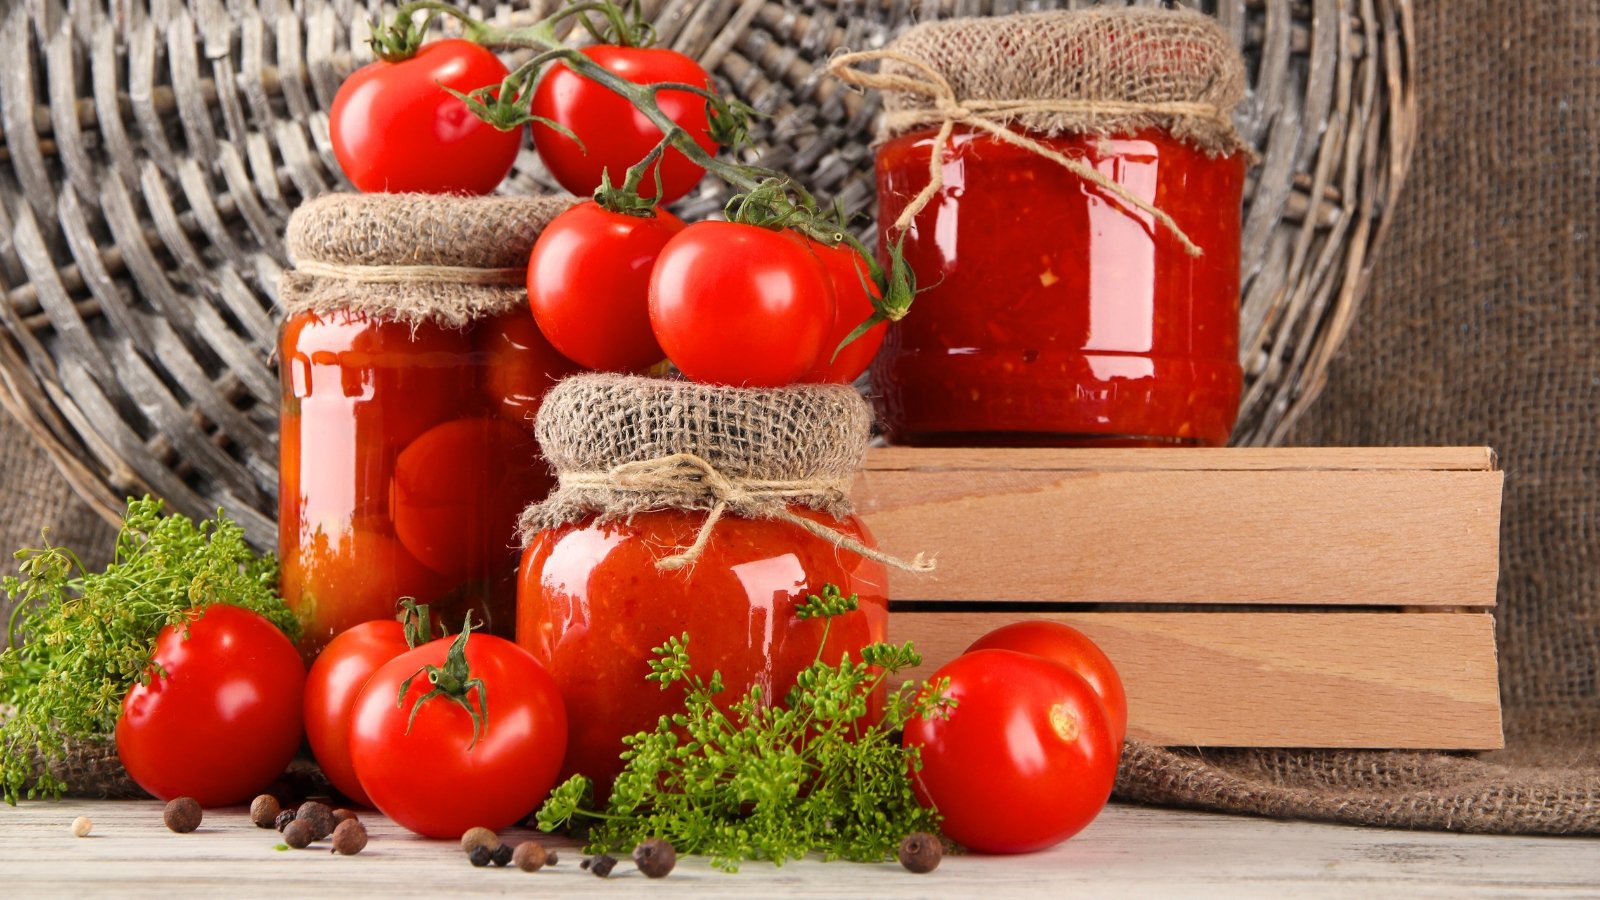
{"x":991,"y":117}
{"x":685,"y":480}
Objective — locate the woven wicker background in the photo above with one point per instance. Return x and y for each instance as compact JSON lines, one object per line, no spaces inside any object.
{"x":154,"y":149}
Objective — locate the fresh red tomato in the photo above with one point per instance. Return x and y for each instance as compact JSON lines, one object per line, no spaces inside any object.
{"x":521,"y":365}
{"x":395,"y":129}
{"x":614,"y":135}
{"x":219,"y":719}
{"x":333,"y":684}
{"x":740,"y":305}
{"x":589,"y":285}
{"x":1073,"y":649}
{"x":459,"y":490}
{"x":1024,"y":761}
{"x":336,"y":581}
{"x":853,"y":293}
{"x":459,"y":764}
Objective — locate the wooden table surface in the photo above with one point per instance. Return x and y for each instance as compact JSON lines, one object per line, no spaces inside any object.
{"x":1130,"y":851}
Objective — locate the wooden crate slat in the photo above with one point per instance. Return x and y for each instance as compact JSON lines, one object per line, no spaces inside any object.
{"x":1323,"y":537}
{"x":1423,"y":680}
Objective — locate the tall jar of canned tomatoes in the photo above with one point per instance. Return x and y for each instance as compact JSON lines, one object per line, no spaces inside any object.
{"x":1066,"y":186}
{"x":694,"y":509}
{"x":412,"y":370}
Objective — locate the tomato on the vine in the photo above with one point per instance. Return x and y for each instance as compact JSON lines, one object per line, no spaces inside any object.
{"x":332,"y":686}
{"x":854,"y":293}
{"x":476,"y":739}
{"x":613,"y":134}
{"x":395,"y":128}
{"x":1073,"y":649}
{"x":1023,"y":761}
{"x":219,"y":718}
{"x":589,"y":285}
{"x":740,"y":305}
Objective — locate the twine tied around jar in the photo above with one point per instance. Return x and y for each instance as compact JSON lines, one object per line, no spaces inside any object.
{"x":685,"y":480}
{"x":992,"y":117}
{"x":408,"y":274}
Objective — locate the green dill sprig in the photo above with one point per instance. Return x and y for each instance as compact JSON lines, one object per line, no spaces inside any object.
{"x":764,"y":781}
{"x":76,"y":640}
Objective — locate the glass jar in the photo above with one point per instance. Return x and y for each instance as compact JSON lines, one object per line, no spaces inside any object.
{"x":592,"y":605}
{"x":407,"y":455}
{"x":1055,"y":313}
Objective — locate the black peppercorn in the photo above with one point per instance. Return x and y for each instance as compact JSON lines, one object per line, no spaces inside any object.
{"x":264,"y":810}
{"x":501,"y":855}
{"x":551,"y":858}
{"x":350,"y":837}
{"x":530,"y":856}
{"x":920,"y":852}
{"x":283,"y":819}
{"x":319,"y":816}
{"x":182,"y":815}
{"x":299,"y":834}
{"x":480,"y":856}
{"x":655,"y":857}
{"x":600,"y":865}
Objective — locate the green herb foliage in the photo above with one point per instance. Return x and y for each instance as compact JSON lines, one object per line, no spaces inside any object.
{"x":765,"y":781}
{"x":77,"y":640}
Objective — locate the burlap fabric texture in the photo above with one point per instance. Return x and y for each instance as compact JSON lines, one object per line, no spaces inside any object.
{"x":1483,"y":328}
{"x":414,"y":258}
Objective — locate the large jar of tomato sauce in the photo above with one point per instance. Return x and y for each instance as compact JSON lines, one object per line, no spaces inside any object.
{"x":680,"y":511}
{"x":412,"y":369}
{"x":1066,"y":186}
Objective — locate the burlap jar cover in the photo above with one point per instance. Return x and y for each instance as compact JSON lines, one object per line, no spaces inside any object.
{"x":623,"y":445}
{"x":1096,"y":72}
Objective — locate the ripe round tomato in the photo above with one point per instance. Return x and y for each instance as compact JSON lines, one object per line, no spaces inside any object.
{"x":395,"y":129}
{"x":220,"y":717}
{"x":431,"y":777}
{"x":1024,"y":761}
{"x":521,"y":365}
{"x":334,"y":682}
{"x":589,"y":285}
{"x":1073,"y":649}
{"x":740,"y":305}
{"x":614,"y":134}
{"x":335,"y":582}
{"x":853,"y":293}
{"x":459,"y":490}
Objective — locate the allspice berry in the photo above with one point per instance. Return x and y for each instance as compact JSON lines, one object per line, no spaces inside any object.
{"x":182,"y":815}
{"x":479,"y":837}
{"x":81,"y":826}
{"x":655,"y":857}
{"x":341,"y":815}
{"x":529,"y":856}
{"x":350,"y":837}
{"x":264,"y":811}
{"x":320,"y":817}
{"x":920,"y":852}
{"x":299,"y":834}
{"x":480,"y":856}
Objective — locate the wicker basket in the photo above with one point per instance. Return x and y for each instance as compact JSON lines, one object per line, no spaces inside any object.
{"x":153,"y":152}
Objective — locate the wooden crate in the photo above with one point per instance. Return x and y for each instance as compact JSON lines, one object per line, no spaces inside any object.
{"x":1250,"y":597}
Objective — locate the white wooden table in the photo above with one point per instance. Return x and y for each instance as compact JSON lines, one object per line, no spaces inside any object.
{"x":1129,"y":852}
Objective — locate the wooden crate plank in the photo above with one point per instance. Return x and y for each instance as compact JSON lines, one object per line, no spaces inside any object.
{"x":1258,"y":679}
{"x":1450,"y":459}
{"x":1334,"y":537}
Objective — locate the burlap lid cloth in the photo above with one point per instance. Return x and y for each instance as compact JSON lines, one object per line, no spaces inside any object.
{"x":414,"y":258}
{"x":623,"y":445}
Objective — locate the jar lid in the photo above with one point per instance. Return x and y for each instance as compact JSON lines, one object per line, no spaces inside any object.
{"x":1086,"y":71}
{"x":417,"y":258}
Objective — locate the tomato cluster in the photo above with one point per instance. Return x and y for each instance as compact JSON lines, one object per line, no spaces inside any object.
{"x":1027,"y":756}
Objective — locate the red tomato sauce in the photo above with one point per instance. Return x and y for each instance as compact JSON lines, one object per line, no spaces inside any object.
{"x":406,"y":456}
{"x":1056,"y":313}
{"x":592,"y":605}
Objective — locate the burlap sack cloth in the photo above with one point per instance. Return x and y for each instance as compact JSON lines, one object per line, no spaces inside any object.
{"x":1483,"y":326}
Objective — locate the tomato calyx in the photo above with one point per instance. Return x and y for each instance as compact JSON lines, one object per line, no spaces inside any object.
{"x":413,"y":618}
{"x":452,"y":681}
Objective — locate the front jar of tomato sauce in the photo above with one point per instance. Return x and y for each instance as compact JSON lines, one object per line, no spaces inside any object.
{"x":1067,"y":187}
{"x":411,"y":369}
{"x":680,"y":511}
